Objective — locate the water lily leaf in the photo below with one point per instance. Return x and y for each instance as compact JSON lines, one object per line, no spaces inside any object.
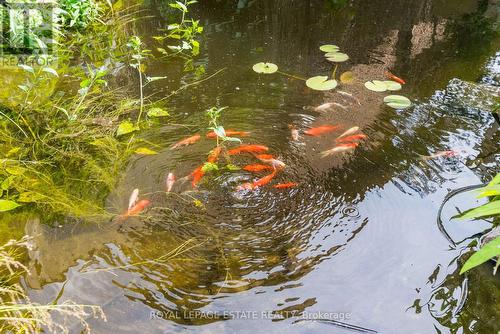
{"x":157,"y":112}
{"x":376,"y":86}
{"x":145,"y":151}
{"x":487,"y":252}
{"x":265,"y":68}
{"x":321,"y":83}
{"x":337,"y":57}
{"x":126,"y":127}
{"x":329,"y":48}
{"x":6,"y":205}
{"x":397,"y":101}
{"x":392,"y":85}
{"x":347,"y":77}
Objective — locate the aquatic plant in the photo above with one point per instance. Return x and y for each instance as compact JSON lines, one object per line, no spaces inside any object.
{"x":397,"y":101}
{"x":491,"y":249}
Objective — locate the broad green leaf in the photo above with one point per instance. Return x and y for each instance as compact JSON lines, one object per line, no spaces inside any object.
{"x":145,"y":151}
{"x":392,"y":85}
{"x":347,"y":77}
{"x":5,"y":185}
{"x":208,"y":167}
{"x":397,"y":101}
{"x":50,"y":71}
{"x":337,"y":57}
{"x":376,"y":86}
{"x":6,"y":205}
{"x":329,"y":48}
{"x":265,"y":68}
{"x":157,"y":112}
{"x":496,"y":180}
{"x":487,"y":252}
{"x":488,"y":191}
{"x":126,"y":127}
{"x":489,"y":209}
{"x":321,"y":83}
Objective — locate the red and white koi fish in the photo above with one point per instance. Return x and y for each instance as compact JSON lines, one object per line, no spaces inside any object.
{"x":391,"y":76}
{"x":135,"y":210}
{"x":349,"y":132}
{"x":257,"y":168}
{"x":248,"y":149}
{"x":229,"y":133}
{"x":324,"y":106}
{"x":339,"y":149}
{"x":351,"y":138}
{"x":318,"y":131}
{"x":133,"y":198}
{"x":186,"y":142}
{"x":285,"y":185}
{"x":170,"y":182}
{"x":259,"y":183}
{"x":446,"y":154}
{"x":214,"y":155}
{"x":197,"y":175}
{"x":270,"y":160}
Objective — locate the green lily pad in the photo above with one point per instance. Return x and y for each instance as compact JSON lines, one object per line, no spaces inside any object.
{"x":6,"y":205}
{"x":321,"y":83}
{"x":329,"y":48}
{"x":337,"y":57}
{"x":265,"y":68}
{"x":397,"y":101}
{"x":376,"y":86}
{"x":392,"y":85}
{"x":347,"y":77}
{"x":157,"y":112}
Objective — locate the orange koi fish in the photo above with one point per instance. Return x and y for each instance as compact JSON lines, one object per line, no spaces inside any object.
{"x":339,"y":148}
{"x":186,"y":142}
{"x":257,"y":168}
{"x":264,"y":181}
{"x":321,"y":130}
{"x":170,"y":182}
{"x":264,"y":156}
{"x":229,"y":133}
{"x":286,"y":185}
{"x":391,"y":76}
{"x":248,"y":149}
{"x":349,"y":132}
{"x":197,"y":175}
{"x":351,"y":138}
{"x":214,"y":155}
{"x":135,"y":210}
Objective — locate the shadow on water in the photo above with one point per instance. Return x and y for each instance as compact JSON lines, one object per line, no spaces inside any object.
{"x":357,"y":240}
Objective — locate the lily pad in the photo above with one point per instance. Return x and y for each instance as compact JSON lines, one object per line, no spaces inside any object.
{"x":376,"y":86}
{"x":329,"y":48}
{"x":337,"y":57}
{"x":265,"y":68}
{"x":157,"y":112}
{"x":392,"y":85}
{"x":347,"y":77}
{"x":397,"y":101}
{"x":321,"y":83}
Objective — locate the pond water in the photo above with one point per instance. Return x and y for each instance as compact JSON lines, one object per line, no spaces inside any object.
{"x":355,"y":247}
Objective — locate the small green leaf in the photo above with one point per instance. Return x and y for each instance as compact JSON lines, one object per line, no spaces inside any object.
{"x":208,"y":167}
{"x":27,"y":68}
{"x":337,"y":57}
{"x":232,"y":139}
{"x":50,"y":71}
{"x":397,"y":101}
{"x":30,"y":197}
{"x":126,"y":127}
{"x":489,"y":191}
{"x":157,"y":112}
{"x":265,"y":68}
{"x":321,"y":83}
{"x":220,"y":132}
{"x":487,"y":252}
{"x":489,"y":209}
{"x":329,"y":48}
{"x":145,"y":151}
{"x":6,"y":205}
{"x":232,"y":168}
{"x":376,"y":86}
{"x":152,"y":79}
{"x":15,"y":170}
{"x":5,"y":185}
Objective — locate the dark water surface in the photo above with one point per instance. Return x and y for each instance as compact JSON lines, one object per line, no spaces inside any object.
{"x":357,"y":241}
